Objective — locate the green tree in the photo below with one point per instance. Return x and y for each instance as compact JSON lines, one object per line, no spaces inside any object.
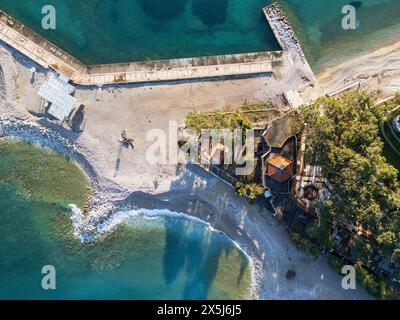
{"x":397,"y":98}
{"x":251,"y":190}
{"x":344,"y":132}
{"x":396,"y":255}
{"x":197,"y":121}
{"x":217,"y":120}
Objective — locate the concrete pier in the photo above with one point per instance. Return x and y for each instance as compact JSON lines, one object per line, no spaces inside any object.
{"x":48,"y":55}
{"x":36,"y":47}
{"x":179,"y":69}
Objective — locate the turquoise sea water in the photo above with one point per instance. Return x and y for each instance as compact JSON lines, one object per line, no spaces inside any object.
{"x":105,"y":31}
{"x":318,"y":25}
{"x":147,"y":257}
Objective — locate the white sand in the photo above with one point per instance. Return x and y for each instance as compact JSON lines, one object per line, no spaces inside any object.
{"x":138,"y":109}
{"x":378,"y":70}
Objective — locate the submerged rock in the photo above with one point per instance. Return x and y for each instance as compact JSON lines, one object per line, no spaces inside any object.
{"x":290,"y":274}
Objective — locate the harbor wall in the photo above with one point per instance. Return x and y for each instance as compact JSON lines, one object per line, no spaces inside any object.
{"x":48,"y":55}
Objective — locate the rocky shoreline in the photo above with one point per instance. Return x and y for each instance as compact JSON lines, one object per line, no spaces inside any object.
{"x":43,"y":134}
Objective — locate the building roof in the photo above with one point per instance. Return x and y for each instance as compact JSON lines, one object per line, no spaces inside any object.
{"x":279,"y":161}
{"x":58,"y":92}
{"x":279,"y":131}
{"x":279,"y":168}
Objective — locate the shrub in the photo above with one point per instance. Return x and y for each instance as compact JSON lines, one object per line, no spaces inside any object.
{"x":397,"y":98}
{"x":304,"y":244}
{"x":251,"y":191}
{"x":336,"y":263}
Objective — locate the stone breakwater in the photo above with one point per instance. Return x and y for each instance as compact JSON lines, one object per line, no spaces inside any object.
{"x":283,"y":31}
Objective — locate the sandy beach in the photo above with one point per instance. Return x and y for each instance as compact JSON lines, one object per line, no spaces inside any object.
{"x":193,"y":191}
{"x":378,"y":69}
{"x":199,"y":194}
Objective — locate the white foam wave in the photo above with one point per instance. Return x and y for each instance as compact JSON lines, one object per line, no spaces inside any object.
{"x":128,"y":216}
{"x":108,"y":225}
{"x":77,"y":219}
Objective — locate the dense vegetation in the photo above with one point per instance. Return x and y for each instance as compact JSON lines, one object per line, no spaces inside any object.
{"x":250,"y":190}
{"x":343,"y":138}
{"x":199,"y":121}
{"x":391,"y":150}
{"x":235,"y":120}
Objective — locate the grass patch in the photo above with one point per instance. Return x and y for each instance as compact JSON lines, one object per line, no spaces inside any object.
{"x":335,"y":263}
{"x":379,"y":288}
{"x":304,"y":244}
{"x":257,"y":106}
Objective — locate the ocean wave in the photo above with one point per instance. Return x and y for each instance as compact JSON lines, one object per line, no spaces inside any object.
{"x":88,"y":232}
{"x":104,"y":226}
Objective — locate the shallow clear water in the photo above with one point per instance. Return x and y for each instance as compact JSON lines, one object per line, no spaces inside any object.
{"x":318,"y":24}
{"x":98,"y":31}
{"x":157,"y":257}
{"x":105,"y":31}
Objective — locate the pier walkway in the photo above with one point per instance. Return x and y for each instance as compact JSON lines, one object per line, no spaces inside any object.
{"x":179,"y":69}
{"x":36,"y":47}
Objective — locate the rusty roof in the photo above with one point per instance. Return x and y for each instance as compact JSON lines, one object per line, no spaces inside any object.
{"x":279,"y":161}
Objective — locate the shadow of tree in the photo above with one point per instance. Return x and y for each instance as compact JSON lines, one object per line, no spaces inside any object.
{"x":197,"y":252}
{"x":175,"y":248}
{"x":191,"y":249}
